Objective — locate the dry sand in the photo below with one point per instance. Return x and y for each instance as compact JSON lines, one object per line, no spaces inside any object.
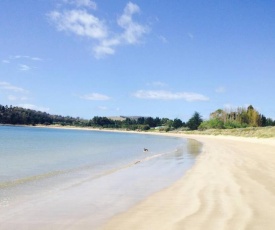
{"x":231,"y":186}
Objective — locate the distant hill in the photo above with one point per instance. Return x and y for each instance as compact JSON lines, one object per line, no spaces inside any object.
{"x":123,"y":118}
{"x":117,"y":118}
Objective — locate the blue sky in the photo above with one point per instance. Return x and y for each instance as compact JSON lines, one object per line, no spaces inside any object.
{"x":146,"y":57}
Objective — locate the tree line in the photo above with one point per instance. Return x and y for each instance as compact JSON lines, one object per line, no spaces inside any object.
{"x":219,"y":119}
{"x":20,"y":116}
{"x":238,"y":118}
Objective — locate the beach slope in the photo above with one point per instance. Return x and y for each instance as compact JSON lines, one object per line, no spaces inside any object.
{"x":231,"y":186}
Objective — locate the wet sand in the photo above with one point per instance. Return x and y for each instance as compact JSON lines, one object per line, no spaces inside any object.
{"x":231,"y":186}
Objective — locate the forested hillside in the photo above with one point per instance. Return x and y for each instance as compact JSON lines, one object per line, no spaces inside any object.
{"x":21,"y":116}
{"x":219,"y":119}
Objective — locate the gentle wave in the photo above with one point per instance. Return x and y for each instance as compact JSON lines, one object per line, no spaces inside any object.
{"x":22,"y":181}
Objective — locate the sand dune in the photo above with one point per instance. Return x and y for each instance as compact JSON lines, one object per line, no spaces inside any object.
{"x":231,"y":186}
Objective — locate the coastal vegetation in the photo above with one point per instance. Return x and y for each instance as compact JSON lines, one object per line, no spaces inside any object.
{"x":239,"y":118}
{"x":21,"y":116}
{"x":244,"y":122}
{"x":258,"y":132}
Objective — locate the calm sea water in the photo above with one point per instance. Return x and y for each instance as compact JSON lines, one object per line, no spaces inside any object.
{"x":41,"y":161}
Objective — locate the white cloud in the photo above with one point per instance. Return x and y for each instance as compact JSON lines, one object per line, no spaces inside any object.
{"x":26,"y":57}
{"x":23,"y":67}
{"x":105,"y":41}
{"x":34,"y":107}
{"x":132,"y":30}
{"x":166,"y":95}
{"x":95,"y":97}
{"x":105,"y":48}
{"x":36,"y":59}
{"x":132,"y":33}
{"x":10,"y":87}
{"x":79,"y":22}
{"x":12,"y":92}
{"x":16,"y":58}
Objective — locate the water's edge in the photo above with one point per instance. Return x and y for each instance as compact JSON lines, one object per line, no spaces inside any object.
{"x":104,"y":193}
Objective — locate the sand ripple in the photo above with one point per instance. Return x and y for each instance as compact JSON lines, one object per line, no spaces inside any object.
{"x":232,"y":186}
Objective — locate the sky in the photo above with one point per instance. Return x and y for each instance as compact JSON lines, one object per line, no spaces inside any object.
{"x":159,"y":58}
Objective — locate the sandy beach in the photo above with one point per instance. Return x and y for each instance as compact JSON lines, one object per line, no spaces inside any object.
{"x":231,"y":186}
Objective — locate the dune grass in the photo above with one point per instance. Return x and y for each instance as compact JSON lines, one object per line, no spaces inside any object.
{"x":259,"y":132}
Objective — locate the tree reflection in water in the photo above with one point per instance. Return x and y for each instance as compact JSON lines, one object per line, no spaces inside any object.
{"x":193,"y":147}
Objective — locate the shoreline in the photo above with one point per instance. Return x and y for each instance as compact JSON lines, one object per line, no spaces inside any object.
{"x":264,"y":133}
{"x":133,"y":183}
{"x":231,"y":186}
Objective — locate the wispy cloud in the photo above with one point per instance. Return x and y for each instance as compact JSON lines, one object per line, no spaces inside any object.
{"x":26,"y":57}
{"x":132,"y":34}
{"x":95,"y":97}
{"x":10,"y":87}
{"x":34,"y":107}
{"x":12,"y":92}
{"x":167,"y":95}
{"x":36,"y":59}
{"x":18,"y":95}
{"x":16,"y":59}
{"x":81,"y":22}
{"x":5,"y":61}
{"x":133,"y":31}
{"x":23,"y":67}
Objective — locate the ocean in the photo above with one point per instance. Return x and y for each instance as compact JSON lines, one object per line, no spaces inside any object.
{"x":110,"y":169}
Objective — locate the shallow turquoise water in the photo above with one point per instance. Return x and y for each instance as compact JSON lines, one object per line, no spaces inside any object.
{"x":27,"y":152}
{"x":36,"y":163}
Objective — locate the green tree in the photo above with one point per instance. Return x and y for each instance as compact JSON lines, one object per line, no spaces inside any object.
{"x":214,"y":123}
{"x":157,"y":121}
{"x":253,"y":116}
{"x":195,"y":121}
{"x":177,"y":123}
{"x":150,"y":121}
